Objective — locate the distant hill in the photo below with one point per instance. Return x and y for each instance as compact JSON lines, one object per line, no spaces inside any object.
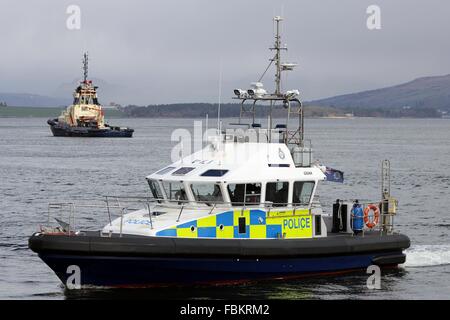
{"x":227,"y":110}
{"x":48,"y":112}
{"x":62,"y":95}
{"x":429,"y":93}
{"x":32,"y":100}
{"x":422,"y":97}
{"x":427,"y":97}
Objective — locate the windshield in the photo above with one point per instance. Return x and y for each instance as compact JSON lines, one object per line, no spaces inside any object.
{"x":155,"y":189}
{"x":207,"y":192}
{"x":174,"y":190}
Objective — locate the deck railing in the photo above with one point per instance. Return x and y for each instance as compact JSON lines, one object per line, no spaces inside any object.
{"x":64,"y":213}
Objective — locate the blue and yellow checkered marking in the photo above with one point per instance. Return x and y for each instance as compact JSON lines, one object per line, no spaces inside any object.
{"x":258,"y":225}
{"x":273,"y":231}
{"x":188,"y":225}
{"x":207,"y":232}
{"x":225,"y":219}
{"x":168,"y":233}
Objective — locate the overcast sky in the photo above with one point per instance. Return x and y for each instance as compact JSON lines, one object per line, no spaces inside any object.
{"x":170,"y":51}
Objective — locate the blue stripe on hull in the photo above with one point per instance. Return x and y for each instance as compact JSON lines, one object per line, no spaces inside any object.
{"x":136,"y":271}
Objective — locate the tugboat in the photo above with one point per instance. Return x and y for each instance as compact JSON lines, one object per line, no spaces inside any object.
{"x":85,"y":117}
{"x":235,"y":211}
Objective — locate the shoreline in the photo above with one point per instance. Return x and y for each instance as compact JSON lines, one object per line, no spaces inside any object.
{"x":202,"y":118}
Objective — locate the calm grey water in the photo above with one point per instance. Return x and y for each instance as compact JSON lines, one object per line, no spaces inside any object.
{"x":36,"y":168}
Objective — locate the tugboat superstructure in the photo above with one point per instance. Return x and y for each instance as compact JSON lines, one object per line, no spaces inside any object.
{"x":242,"y":208}
{"x":85,"y":117}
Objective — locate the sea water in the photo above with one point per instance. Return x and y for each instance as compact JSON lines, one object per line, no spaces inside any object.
{"x":37,"y":168}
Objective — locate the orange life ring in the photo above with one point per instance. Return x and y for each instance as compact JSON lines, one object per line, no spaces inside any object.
{"x":376,"y":216}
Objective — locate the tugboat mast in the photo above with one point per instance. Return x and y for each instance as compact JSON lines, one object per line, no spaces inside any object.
{"x":85,"y":66}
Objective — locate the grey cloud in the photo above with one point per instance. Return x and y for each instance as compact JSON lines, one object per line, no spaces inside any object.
{"x":170,"y":51}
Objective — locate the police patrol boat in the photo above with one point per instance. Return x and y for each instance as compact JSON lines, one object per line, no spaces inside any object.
{"x":85,"y":117}
{"x":237,"y":210}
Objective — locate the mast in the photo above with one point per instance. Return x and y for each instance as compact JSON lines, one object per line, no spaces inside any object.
{"x":288,"y":99}
{"x":85,"y":66}
{"x":277,"y":47}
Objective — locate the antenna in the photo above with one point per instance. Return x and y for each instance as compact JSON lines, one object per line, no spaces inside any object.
{"x":385,"y":179}
{"x":279,"y":66}
{"x":277,"y":47}
{"x":206,"y":126}
{"x":220,"y":96}
{"x":85,"y":66}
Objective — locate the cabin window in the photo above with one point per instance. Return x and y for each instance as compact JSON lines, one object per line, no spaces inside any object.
{"x":207,"y":192}
{"x":175,"y":191}
{"x":277,"y":193}
{"x":182,"y":171}
{"x":244,"y":193}
{"x":155,"y":189}
{"x":86,"y":100}
{"x":302,"y":192}
{"x":214,"y":173}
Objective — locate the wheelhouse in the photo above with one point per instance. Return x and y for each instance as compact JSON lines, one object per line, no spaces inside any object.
{"x":214,"y":178}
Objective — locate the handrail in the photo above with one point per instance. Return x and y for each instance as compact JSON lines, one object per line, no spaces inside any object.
{"x":385,"y":221}
{"x":124,"y":201}
{"x":150,"y":216}
{"x":175,"y":203}
{"x":127,"y":203}
{"x":179,"y":215}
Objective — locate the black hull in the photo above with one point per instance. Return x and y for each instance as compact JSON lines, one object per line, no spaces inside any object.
{"x":152,"y":261}
{"x":109,"y":132}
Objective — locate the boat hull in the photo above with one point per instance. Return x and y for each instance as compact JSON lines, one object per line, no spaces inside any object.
{"x":109,"y":132}
{"x":140,"y":262}
{"x":116,"y":271}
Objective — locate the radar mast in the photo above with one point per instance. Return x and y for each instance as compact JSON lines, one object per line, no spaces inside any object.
{"x":285,"y":133}
{"x":277,"y":47}
{"x":85,"y":66}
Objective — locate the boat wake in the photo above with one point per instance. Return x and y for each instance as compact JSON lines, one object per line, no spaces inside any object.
{"x":427,"y":255}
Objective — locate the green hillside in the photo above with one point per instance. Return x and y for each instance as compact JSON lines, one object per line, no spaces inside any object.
{"x":428,"y":93}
